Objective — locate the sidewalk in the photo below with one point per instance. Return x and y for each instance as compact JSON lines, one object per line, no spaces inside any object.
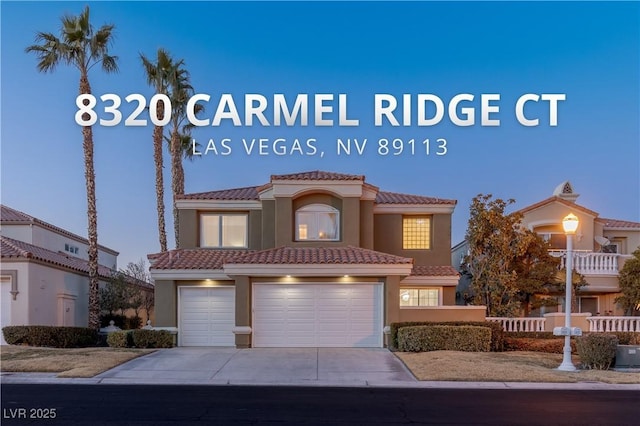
{"x":328,"y":367}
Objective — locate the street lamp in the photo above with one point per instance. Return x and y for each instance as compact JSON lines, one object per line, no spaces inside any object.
{"x":570,"y":225}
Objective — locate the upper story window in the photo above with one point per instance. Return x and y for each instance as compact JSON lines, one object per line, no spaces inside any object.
{"x":556,"y":241}
{"x":224,"y":230}
{"x":71,"y":248}
{"x":317,"y":222}
{"x":416,"y":232}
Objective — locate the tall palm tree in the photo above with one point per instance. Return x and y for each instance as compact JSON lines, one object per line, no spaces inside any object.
{"x":181,"y":90}
{"x":185,"y":152}
{"x":158,"y":74}
{"x":80,"y":46}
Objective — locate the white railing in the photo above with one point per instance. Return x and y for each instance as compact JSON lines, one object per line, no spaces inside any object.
{"x":607,"y":324}
{"x":520,"y":324}
{"x":589,"y":263}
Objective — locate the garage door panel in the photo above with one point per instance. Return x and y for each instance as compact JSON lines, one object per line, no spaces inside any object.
{"x":330,"y":315}
{"x":207,"y":316}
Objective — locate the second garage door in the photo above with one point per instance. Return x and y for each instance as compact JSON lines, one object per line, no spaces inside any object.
{"x":207,"y":316}
{"x":317,"y":315}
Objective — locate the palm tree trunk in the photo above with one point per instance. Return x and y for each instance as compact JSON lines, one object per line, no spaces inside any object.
{"x":157,"y":157}
{"x":177,"y":179}
{"x":92,"y":215}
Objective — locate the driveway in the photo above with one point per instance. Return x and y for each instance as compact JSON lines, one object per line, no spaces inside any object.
{"x":264,"y":366}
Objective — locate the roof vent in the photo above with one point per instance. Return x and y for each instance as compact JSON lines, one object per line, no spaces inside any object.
{"x":565,"y":191}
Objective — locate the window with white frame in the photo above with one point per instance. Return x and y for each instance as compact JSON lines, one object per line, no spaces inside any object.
{"x":71,"y":248}
{"x":416,"y":232}
{"x":416,"y":297}
{"x":317,"y":222}
{"x":223,"y":230}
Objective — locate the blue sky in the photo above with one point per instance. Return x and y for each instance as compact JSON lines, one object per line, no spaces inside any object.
{"x":589,"y":51}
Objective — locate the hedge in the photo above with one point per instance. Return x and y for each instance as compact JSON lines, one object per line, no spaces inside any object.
{"x":553,"y":345}
{"x":140,"y":339}
{"x":497,"y":333}
{"x":444,"y":338}
{"x":119,"y":339}
{"x":152,"y":339}
{"x":597,"y":350}
{"x":50,"y":336}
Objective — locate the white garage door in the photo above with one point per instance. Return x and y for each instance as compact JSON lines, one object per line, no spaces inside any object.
{"x":207,"y":316}
{"x":317,"y":315}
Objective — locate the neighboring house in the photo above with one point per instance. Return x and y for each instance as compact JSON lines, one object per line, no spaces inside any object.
{"x":601,"y":246}
{"x":44,"y":272}
{"x":308,"y":259}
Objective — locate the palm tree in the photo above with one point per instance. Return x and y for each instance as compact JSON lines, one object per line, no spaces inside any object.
{"x":80,"y":46}
{"x":181,"y":91}
{"x":158,"y":75}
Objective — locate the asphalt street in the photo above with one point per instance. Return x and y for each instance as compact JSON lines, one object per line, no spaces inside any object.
{"x":62,"y":404}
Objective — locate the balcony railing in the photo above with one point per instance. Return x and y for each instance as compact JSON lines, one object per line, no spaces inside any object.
{"x":590,"y":263}
{"x":520,"y":324}
{"x":609,"y":324}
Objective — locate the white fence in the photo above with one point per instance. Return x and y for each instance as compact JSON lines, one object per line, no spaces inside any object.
{"x":589,"y":263}
{"x":606,"y":324}
{"x":520,"y":324}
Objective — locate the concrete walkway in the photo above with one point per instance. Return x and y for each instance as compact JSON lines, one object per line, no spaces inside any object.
{"x":339,"y":367}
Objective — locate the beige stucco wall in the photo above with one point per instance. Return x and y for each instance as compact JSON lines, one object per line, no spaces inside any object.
{"x":50,"y":240}
{"x":188,"y":222}
{"x":166,"y":300}
{"x":366,"y":224}
{"x":549,"y":217}
{"x":388,"y":239}
{"x":41,"y":290}
{"x":556,"y":319}
{"x":268,"y":224}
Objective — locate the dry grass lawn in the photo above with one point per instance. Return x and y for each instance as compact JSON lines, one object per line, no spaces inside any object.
{"x":76,"y":362}
{"x":503,"y":367}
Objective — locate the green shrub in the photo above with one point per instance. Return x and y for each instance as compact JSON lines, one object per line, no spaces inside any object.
{"x":497,"y":333}
{"x":553,"y":345}
{"x":50,"y":336}
{"x":444,"y":338}
{"x":597,"y":350}
{"x":119,"y":339}
{"x":152,"y":339}
{"x":532,"y":335}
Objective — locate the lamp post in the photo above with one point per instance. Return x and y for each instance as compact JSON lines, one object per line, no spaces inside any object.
{"x":569,"y":224}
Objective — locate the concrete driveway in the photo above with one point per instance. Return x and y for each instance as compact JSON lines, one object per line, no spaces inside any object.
{"x":277,"y":366}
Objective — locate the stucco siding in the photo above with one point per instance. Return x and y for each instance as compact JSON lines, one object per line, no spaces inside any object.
{"x":388,"y":239}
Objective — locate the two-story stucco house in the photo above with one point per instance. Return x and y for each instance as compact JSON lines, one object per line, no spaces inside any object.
{"x":307,"y":259}
{"x":600,"y":248}
{"x":44,"y":272}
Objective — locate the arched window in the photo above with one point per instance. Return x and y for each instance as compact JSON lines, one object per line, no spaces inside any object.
{"x":317,"y":222}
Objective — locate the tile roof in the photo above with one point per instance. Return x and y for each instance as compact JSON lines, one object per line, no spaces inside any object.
{"x":247,"y":193}
{"x":251,"y":193}
{"x":619,"y":224}
{"x":384,"y":197}
{"x":558,"y":200}
{"x":198,"y":258}
{"x":317,"y":175}
{"x":201,"y":258}
{"x":434,"y":271}
{"x":13,"y":216}
{"x":319,"y":255}
{"x":14,"y":249}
